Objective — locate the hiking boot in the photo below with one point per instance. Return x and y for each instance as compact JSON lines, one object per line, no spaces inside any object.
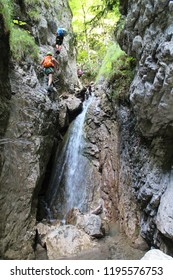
{"x":49,"y":89}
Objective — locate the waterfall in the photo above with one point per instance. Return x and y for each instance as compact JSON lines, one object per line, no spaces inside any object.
{"x":67,"y":188}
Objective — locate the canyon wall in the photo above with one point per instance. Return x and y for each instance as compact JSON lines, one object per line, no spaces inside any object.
{"x":130,"y":152}
{"x":146,"y":125}
{"x":30,"y":122}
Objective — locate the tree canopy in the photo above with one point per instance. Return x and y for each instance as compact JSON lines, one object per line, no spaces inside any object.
{"x":93,"y":23}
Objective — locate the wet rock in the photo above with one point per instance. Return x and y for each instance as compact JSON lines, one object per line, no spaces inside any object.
{"x":102,"y":151}
{"x":90,"y":223}
{"x":71,"y":216}
{"x":74,"y":105}
{"x":97,"y":210}
{"x":63,"y":118}
{"x":81,"y":93}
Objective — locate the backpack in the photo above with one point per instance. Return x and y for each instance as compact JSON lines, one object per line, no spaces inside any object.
{"x":48,"y":61}
{"x":61,"y":31}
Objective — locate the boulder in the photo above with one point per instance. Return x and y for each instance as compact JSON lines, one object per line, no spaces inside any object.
{"x":74,"y":105}
{"x":90,"y":223}
{"x":156,"y":254}
{"x":64,"y":241}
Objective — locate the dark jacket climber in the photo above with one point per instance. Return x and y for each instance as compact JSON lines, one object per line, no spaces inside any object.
{"x":50,"y":64}
{"x":61,"y":33}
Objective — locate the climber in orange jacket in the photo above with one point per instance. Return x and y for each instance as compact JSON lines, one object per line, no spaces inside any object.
{"x":50,"y":64}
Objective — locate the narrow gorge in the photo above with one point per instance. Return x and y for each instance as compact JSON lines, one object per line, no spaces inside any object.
{"x":87,"y":179}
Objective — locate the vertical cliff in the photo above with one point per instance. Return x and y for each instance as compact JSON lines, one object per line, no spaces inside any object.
{"x":146,"y":126}
{"x":129,"y":154}
{"x":30,"y":121}
{"x":4,"y":88}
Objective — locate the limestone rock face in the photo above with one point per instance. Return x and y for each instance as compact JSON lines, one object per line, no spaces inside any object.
{"x":74,"y":105}
{"x":69,"y":107}
{"x":165,"y":212}
{"x":30,"y":124}
{"x":145,"y":185}
{"x":142,"y":181}
{"x":101,"y":130}
{"x":27,"y":147}
{"x":148,"y":37}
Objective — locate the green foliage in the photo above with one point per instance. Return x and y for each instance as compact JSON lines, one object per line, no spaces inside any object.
{"x":109,"y":61}
{"x":46,"y":4}
{"x":22,"y":45}
{"x":19,"y":22}
{"x":123,"y":77}
{"x":118,"y":69}
{"x":93,"y":23}
{"x":6,"y":11}
{"x":104,"y":9}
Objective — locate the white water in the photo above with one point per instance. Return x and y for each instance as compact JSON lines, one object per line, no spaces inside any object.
{"x":66,"y":189}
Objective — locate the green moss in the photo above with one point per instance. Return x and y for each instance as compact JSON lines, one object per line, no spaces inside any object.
{"x":34,"y":15}
{"x":118,"y":69}
{"x":122,"y":78}
{"x":46,"y":4}
{"x":6,"y":11}
{"x":22,"y":44}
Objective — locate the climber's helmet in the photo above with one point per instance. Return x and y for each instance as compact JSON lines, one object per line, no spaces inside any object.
{"x":49,"y":53}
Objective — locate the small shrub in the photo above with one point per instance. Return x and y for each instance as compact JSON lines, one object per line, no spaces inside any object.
{"x":22,"y":44}
{"x":118,"y":70}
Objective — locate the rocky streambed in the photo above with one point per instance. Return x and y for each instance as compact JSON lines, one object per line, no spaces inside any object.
{"x":85,"y":241}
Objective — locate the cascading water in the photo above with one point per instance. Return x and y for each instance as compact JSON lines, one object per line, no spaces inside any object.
{"x":67,"y":188}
